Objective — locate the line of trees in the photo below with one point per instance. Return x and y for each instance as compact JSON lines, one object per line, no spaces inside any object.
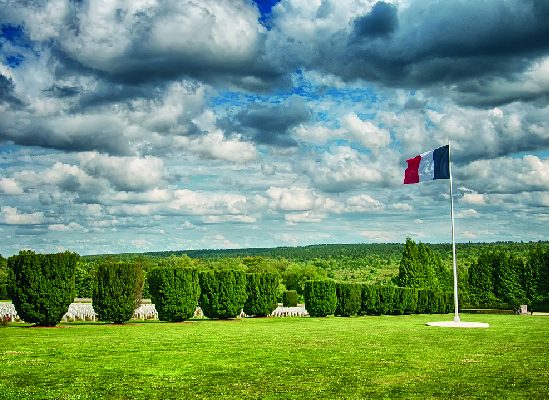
{"x":498,"y":278}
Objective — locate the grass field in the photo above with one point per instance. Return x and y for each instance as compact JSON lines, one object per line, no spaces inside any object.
{"x":279,"y":358}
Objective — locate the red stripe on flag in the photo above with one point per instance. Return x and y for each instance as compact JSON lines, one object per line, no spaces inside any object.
{"x":411,"y":175}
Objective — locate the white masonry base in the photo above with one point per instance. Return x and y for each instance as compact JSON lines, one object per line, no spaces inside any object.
{"x":458,"y":324}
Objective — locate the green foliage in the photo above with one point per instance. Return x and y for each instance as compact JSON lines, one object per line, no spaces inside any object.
{"x":349,"y":299}
{"x":320,"y":297}
{"x":43,"y":285}
{"x":495,"y":281}
{"x":289,"y":298}
{"x":84,"y":279}
{"x":423,"y":301}
{"x":407,"y":300}
{"x":371,"y":300}
{"x":296,"y":275}
{"x":421,"y":267}
{"x":174,"y":288}
{"x":118,"y":289}
{"x":392,"y":300}
{"x":261,"y":289}
{"x":4,"y":278}
{"x":223,"y":291}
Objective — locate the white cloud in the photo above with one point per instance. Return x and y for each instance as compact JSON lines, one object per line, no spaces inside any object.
{"x":124,"y":173}
{"x":363,"y":203}
{"x":307,"y":216}
{"x":219,"y":219}
{"x":473,"y":198}
{"x":365,"y":132}
{"x":508,"y":175}
{"x":317,"y":134}
{"x":215,"y":145}
{"x":10,"y":187}
{"x":292,"y":198}
{"x":10,"y":216}
{"x":468,"y":213}
{"x":342,"y":168}
{"x":72,"y":226}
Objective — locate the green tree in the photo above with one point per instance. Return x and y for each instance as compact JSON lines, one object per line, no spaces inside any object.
{"x":262,"y":291}
{"x":118,"y":290}
{"x":174,"y":288}
{"x":43,"y":285}
{"x":349,"y":298}
{"x":4,"y":278}
{"x":223,"y":292}
{"x":297,"y":274}
{"x":481,"y":281}
{"x":320,"y":297}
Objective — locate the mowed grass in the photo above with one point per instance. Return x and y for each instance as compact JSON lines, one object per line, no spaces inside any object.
{"x":279,"y":358}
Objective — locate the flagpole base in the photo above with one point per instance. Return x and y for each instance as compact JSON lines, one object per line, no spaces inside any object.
{"x":458,"y":324}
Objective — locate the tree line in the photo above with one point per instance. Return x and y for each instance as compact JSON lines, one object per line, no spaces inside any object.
{"x":43,"y":286}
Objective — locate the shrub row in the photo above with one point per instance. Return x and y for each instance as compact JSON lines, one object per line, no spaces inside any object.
{"x":325,"y":297}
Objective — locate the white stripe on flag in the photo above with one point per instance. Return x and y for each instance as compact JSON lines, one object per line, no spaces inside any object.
{"x":426,"y":166}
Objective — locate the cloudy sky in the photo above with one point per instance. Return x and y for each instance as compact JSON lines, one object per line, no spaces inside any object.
{"x":144,"y":125}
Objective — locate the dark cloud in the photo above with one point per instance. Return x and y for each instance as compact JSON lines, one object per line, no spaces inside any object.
{"x":381,"y":21}
{"x":78,"y":133}
{"x":61,"y":91}
{"x":7,"y":92}
{"x":443,"y":43}
{"x":270,"y":123}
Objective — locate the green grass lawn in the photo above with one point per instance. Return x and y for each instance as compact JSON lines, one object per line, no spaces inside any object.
{"x":279,"y":358}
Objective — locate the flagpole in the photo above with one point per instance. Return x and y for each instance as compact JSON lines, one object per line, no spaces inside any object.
{"x":456,"y":305}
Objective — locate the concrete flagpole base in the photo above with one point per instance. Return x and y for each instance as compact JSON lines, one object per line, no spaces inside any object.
{"x":458,"y":324}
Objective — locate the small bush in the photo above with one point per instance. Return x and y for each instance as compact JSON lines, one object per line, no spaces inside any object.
{"x":118,"y":290}
{"x":261,"y":289}
{"x":349,"y":298}
{"x":320,"y":297}
{"x":289,"y":298}
{"x":174,"y":288}
{"x":43,"y":285}
{"x":223,"y":292}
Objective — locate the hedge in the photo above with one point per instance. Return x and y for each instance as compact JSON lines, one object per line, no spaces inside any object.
{"x":174,"y":288}
{"x":118,"y":290}
{"x":43,"y":285}
{"x":393,"y":300}
{"x":261,"y":289}
{"x":223,"y":292}
{"x":320,"y":297}
{"x":290,"y":298}
{"x":349,"y":298}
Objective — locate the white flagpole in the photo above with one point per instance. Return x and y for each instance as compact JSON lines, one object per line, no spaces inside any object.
{"x":456,"y":311}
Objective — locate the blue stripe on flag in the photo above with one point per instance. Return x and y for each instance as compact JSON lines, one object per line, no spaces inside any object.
{"x":441,"y":158}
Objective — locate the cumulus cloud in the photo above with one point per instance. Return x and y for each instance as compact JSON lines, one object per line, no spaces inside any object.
{"x":270,"y":123}
{"x":215,"y":145}
{"x":124,"y":173}
{"x":365,"y":132}
{"x":292,"y":198}
{"x":508,"y":175}
{"x":11,"y":216}
{"x":342,"y":168}
{"x":363,"y":203}
{"x":383,"y":42}
{"x":10,"y":187}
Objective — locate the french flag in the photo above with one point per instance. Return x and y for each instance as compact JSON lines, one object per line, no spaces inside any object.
{"x":434,"y":164}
